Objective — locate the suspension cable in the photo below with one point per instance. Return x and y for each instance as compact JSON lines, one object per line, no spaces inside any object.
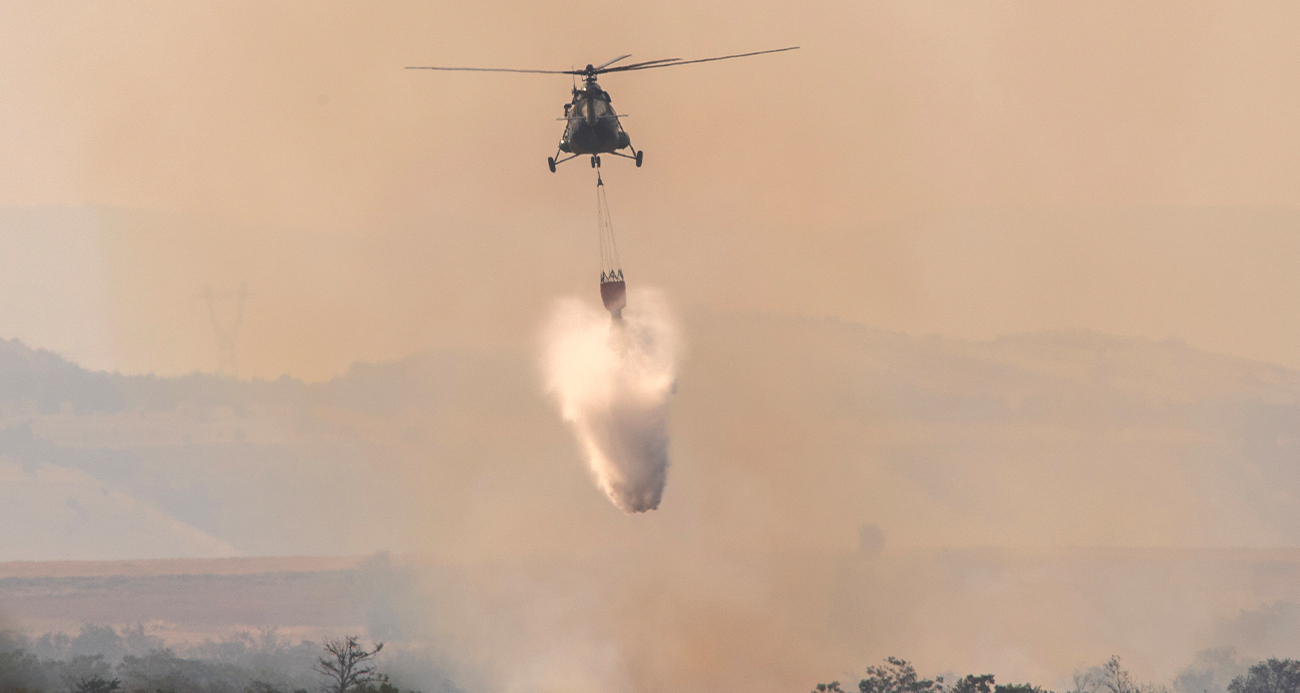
{"x":610,"y":267}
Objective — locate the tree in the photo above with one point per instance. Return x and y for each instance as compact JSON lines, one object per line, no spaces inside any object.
{"x":1272,"y":676}
{"x":974,"y":684}
{"x":898,"y":677}
{"x":348,"y":666}
{"x":380,"y":684}
{"x":1111,"y":677}
{"x":984,"y":683}
{"x":96,"y":684}
{"x":1019,"y":688}
{"x":19,"y":670}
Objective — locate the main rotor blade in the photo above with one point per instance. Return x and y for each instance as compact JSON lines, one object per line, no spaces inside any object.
{"x":603,"y":69}
{"x":499,"y":69}
{"x":637,"y":66}
{"x":605,"y":65}
{"x":674,"y":63}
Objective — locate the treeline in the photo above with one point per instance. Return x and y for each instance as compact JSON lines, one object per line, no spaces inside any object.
{"x":239,"y":665}
{"x":899,"y":676}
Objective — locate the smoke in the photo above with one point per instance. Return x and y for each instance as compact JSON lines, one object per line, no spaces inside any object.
{"x":613,"y":380}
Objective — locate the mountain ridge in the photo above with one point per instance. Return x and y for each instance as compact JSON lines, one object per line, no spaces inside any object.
{"x":778,"y":421}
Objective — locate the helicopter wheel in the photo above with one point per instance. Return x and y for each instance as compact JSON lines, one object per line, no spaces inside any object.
{"x":593,"y":162}
{"x":638,"y":158}
{"x":550,"y":161}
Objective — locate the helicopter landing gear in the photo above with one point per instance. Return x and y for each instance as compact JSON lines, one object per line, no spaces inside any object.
{"x":595,"y":161}
{"x":552,"y":162}
{"x":637,"y":158}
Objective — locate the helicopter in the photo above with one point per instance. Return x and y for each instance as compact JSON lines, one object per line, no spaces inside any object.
{"x":592,"y":125}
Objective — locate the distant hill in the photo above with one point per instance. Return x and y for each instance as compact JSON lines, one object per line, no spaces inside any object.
{"x":790,"y":430}
{"x":39,"y":382}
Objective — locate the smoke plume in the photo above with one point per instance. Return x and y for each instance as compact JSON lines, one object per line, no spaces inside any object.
{"x":613,"y":380}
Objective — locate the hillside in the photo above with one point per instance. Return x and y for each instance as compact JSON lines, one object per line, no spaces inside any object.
{"x":781,"y":426}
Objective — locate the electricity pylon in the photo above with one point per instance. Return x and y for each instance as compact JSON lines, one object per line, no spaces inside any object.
{"x":227,"y":363}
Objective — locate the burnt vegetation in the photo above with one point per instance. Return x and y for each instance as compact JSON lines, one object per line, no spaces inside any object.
{"x":236,"y":666}
{"x":899,"y":676}
{"x":130,"y":661}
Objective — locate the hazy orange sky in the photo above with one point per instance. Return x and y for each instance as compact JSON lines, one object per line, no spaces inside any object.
{"x":968,"y":169}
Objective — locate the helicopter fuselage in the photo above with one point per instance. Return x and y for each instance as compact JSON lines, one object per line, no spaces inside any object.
{"x":593,"y":126}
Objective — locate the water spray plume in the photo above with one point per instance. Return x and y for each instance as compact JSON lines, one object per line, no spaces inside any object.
{"x":613,"y":380}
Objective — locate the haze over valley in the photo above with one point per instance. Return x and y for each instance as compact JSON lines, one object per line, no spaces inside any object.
{"x":1005,"y":479}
